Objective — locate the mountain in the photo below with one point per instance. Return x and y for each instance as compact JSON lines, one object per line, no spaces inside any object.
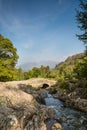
{"x":30,"y":65}
{"x":71,"y":60}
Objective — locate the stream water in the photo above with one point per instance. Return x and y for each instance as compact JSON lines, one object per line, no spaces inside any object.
{"x":71,"y":119}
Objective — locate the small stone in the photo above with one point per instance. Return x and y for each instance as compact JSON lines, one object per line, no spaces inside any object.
{"x":43,"y":127}
{"x":57,"y":126}
{"x":63,"y":119}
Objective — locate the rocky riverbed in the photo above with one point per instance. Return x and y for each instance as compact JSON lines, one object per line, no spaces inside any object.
{"x":23,"y":106}
{"x":71,"y":98}
{"x":70,"y":119}
{"x":20,"y":107}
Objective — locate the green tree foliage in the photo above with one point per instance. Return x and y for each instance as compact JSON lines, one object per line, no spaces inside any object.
{"x":8,"y":60}
{"x":35,"y":72}
{"x":82,"y":21}
{"x":8,"y":53}
{"x":42,"y":72}
{"x":81,"y":69}
{"x":73,"y":71}
{"x":45,"y":71}
{"x":7,"y":74}
{"x":20,"y":74}
{"x":80,"y":72}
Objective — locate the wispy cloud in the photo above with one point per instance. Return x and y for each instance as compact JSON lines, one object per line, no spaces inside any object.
{"x":28,"y":44}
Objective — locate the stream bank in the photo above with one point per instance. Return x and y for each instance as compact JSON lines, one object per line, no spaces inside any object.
{"x":70,"y":119}
{"x":71,"y":98}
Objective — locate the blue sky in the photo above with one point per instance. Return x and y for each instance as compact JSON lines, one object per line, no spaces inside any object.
{"x":41,"y":30}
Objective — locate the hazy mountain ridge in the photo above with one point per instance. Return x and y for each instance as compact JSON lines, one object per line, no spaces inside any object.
{"x":71,"y":60}
{"x":30,"y":65}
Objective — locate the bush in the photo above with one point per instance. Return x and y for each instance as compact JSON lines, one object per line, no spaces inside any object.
{"x":64,"y":85}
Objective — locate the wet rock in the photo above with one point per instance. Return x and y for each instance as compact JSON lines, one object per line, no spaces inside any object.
{"x":52,"y":90}
{"x":40,"y":96}
{"x":72,"y":99}
{"x":61,"y":119}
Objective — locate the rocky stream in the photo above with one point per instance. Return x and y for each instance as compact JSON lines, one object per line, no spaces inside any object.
{"x":35,"y":105}
{"x":70,"y":119}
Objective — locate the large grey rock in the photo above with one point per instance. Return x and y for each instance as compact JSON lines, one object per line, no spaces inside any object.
{"x":24,"y":117}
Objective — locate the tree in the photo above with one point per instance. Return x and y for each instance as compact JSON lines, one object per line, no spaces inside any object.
{"x":8,"y":53}
{"x":81,"y":69}
{"x":7,"y":74}
{"x":20,"y":74}
{"x":81,"y":18}
{"x":8,"y":60}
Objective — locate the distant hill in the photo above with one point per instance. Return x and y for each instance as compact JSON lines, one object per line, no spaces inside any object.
{"x":70,"y":61}
{"x":30,"y":65}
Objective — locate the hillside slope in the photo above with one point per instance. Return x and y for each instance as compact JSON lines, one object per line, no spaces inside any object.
{"x":70,"y":61}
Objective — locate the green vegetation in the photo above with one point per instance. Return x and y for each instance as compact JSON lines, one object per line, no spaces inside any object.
{"x":82,"y":21}
{"x":64,"y":85}
{"x":8,"y":53}
{"x":65,"y":69}
{"x":81,"y":69}
{"x":8,"y":60}
{"x":43,"y":71}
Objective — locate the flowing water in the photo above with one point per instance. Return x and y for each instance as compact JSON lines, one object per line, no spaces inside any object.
{"x":71,"y":119}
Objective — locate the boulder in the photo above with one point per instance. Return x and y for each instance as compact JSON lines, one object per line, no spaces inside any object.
{"x":24,"y":117}
{"x":15,"y":95}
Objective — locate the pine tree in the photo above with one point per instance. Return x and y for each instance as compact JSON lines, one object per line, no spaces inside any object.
{"x":81,"y":18}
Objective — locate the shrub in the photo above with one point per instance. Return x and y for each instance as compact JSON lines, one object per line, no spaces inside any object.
{"x":64,"y":85}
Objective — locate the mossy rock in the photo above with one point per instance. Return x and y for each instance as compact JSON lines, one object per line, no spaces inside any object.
{"x":3,"y":100}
